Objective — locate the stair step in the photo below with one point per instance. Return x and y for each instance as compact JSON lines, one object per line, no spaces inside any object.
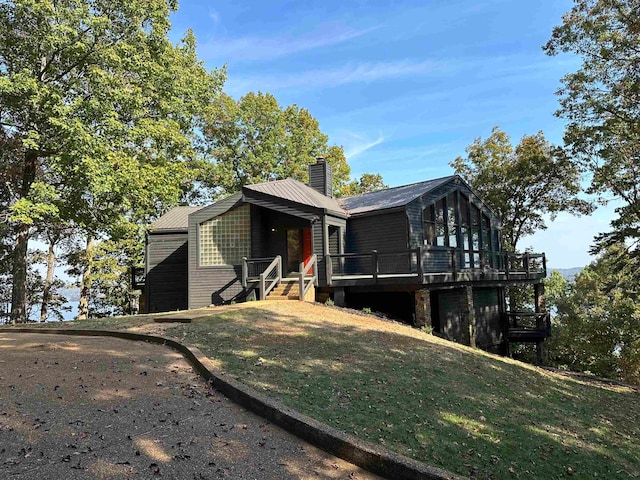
{"x":282,"y":297}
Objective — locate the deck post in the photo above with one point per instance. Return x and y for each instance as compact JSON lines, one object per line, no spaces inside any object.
{"x":470,"y":313}
{"x":279,"y":268}
{"x":419,"y":264}
{"x":339,"y":297}
{"x":526,"y":265}
{"x":544,"y":263}
{"x":422,"y":306}
{"x":328,"y":266}
{"x":374,"y":265}
{"x":245,"y":272}
{"x":262,"y":287}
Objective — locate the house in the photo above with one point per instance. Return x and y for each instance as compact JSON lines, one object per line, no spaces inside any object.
{"x":433,"y":246}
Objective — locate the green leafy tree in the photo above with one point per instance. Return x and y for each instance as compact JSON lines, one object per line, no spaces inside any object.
{"x":523,"y":183}
{"x":368,"y":182}
{"x":597,"y":320}
{"x":601,"y":103}
{"x":255,"y":140}
{"x":103,"y":112}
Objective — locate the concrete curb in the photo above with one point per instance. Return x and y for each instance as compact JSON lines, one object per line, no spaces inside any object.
{"x":378,"y":460}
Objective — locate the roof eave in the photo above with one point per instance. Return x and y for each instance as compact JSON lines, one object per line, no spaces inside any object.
{"x":378,"y":211}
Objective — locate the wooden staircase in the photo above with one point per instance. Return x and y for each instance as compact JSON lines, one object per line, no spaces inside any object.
{"x":285,"y":291}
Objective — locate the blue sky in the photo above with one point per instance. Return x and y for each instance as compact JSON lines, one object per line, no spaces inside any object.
{"x":403,"y":86}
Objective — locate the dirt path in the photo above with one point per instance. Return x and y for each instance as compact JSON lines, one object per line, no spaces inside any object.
{"x":78,"y":407}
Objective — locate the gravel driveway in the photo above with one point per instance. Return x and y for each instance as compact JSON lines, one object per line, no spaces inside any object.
{"x":82,"y":407}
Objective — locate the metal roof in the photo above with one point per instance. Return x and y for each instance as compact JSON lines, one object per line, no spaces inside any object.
{"x":298,"y":192}
{"x":176,"y":219}
{"x":390,"y":197}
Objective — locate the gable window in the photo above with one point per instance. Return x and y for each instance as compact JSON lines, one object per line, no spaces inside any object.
{"x":225,"y":239}
{"x":455,"y":221}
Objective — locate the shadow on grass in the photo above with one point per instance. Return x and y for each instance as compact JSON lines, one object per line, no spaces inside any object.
{"x":446,"y":405}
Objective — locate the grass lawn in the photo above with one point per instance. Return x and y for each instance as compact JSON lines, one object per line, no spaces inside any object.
{"x":443,"y":404}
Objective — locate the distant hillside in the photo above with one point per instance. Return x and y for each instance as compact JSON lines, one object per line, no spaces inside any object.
{"x":71,"y":294}
{"x":568,"y":273}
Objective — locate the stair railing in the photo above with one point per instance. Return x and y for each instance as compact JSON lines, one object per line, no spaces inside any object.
{"x":270,"y":277}
{"x":304,"y":282}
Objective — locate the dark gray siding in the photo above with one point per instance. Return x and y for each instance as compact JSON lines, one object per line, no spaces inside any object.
{"x":166,"y":265}
{"x":384,"y":232}
{"x":451,"y":306}
{"x":334,"y":240}
{"x":218,"y":284}
{"x":486,"y":304}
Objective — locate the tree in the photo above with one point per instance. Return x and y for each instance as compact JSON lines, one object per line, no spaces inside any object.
{"x":601,"y":102}
{"x":597,"y":322}
{"x":102,"y":112}
{"x":522,"y":184}
{"x":254,"y":140}
{"x":368,"y":182}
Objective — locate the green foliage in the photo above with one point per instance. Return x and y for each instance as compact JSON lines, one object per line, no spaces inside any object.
{"x":254,"y":140}
{"x":600,"y":102}
{"x":368,"y":182}
{"x":597,"y":322}
{"x":101,"y":111}
{"x":521,"y":184}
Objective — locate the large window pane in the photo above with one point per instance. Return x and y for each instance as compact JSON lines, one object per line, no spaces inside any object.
{"x":440,"y":234}
{"x":464,"y":210}
{"x":224,"y":240}
{"x":475,"y":236}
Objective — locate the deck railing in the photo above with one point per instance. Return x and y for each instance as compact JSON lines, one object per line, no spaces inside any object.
{"x":455,"y":264}
{"x":253,"y":267}
{"x":307,"y":276}
{"x":528,"y":326}
{"x":374,"y":265}
{"x":510,"y":265}
{"x":268,"y":272}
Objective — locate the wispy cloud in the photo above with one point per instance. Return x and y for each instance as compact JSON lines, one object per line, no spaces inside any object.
{"x":361,"y":144}
{"x":214,"y":16}
{"x":269,"y":48}
{"x":351,"y":73}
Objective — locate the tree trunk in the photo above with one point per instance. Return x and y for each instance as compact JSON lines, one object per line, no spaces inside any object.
{"x":21,"y":249}
{"x":19,"y":285}
{"x":83,"y":304}
{"x":46,"y":292}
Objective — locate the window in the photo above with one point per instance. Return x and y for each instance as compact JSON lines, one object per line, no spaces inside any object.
{"x":452,"y":224}
{"x":456,"y":221}
{"x":429,"y":218}
{"x":224,"y":240}
{"x":475,"y":235}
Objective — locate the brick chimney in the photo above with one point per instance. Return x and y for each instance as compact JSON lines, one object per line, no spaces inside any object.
{"x":321,"y":177}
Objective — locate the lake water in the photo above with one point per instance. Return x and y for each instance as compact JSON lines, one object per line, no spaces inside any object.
{"x":71,"y":314}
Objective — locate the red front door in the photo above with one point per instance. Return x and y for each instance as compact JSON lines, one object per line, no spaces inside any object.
{"x":307,"y":247}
